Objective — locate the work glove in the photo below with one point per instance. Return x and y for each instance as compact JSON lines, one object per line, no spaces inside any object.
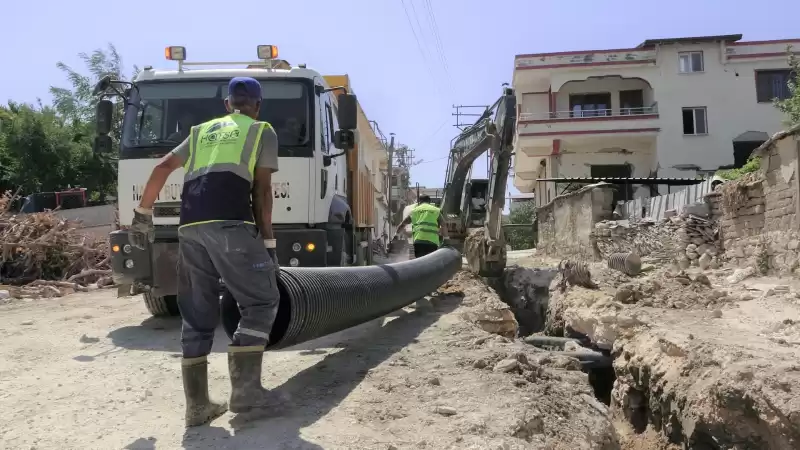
{"x":273,"y":254}
{"x":141,"y":232}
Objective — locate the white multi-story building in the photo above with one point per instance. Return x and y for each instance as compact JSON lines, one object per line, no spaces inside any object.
{"x":667,"y":108}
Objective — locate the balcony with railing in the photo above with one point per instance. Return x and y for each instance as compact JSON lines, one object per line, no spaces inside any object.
{"x":595,"y":106}
{"x":545,"y":126}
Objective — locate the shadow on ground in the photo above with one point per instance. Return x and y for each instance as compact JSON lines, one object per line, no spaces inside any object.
{"x":163,"y":334}
{"x":317,"y":389}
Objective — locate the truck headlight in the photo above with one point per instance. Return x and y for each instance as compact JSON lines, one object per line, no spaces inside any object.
{"x":294,"y":262}
{"x":297,"y":247}
{"x":129,"y":264}
{"x":127,"y":248}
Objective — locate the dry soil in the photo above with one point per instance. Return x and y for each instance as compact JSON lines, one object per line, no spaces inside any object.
{"x":91,"y":371}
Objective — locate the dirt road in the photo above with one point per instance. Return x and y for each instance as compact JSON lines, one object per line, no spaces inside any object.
{"x":91,"y":371}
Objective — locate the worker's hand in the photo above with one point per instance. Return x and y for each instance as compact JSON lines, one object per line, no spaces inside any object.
{"x":141,"y":232}
{"x":273,"y":254}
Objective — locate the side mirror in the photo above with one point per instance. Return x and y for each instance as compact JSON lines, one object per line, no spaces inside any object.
{"x":344,"y":139}
{"x":102,"y":85}
{"x":104,"y":116}
{"x":347,"y":111}
{"x":102,"y":144}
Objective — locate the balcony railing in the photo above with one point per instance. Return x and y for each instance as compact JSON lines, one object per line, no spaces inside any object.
{"x":590,"y":114}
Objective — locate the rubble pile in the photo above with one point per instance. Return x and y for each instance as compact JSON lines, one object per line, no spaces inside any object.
{"x":688,"y":239}
{"x":698,"y":237}
{"x":46,"y":256}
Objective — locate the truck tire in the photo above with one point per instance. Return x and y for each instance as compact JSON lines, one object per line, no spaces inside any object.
{"x":161,"y":306}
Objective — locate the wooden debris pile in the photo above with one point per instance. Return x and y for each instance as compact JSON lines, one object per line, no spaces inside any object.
{"x":44,"y":255}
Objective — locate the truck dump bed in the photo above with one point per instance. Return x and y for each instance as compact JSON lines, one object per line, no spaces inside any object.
{"x":363,"y":165}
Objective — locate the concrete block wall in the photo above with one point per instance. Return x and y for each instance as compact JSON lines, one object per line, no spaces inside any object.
{"x":567,"y":222}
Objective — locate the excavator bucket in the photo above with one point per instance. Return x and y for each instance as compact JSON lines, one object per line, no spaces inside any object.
{"x":485,"y":257}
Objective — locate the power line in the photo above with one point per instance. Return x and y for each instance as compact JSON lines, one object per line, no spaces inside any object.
{"x":419,"y":45}
{"x":437,"y":129}
{"x":432,"y":160}
{"x":438,"y":39}
{"x":436,"y":46}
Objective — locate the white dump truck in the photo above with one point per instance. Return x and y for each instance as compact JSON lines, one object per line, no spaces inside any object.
{"x":320,"y":194}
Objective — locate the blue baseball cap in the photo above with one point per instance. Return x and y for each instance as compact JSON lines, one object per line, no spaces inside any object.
{"x":246,"y":86}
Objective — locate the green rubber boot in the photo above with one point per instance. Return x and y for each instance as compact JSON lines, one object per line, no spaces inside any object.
{"x":247,"y":393}
{"x":199,"y":409}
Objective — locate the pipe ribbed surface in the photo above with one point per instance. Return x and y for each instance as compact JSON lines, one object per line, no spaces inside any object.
{"x":317,"y":301}
{"x":627,"y":263}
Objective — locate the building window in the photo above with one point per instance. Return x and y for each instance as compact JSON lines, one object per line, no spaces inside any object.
{"x":695,"y":121}
{"x":772,"y":84}
{"x":590,"y":105}
{"x":690,"y":62}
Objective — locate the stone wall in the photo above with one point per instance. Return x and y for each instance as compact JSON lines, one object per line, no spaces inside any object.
{"x":567,"y":222}
{"x":759,"y":226}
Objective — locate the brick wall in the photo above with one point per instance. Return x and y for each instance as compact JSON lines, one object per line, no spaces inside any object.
{"x":567,"y":222}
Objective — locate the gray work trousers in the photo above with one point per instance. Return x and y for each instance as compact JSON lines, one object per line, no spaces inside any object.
{"x":233,"y":251}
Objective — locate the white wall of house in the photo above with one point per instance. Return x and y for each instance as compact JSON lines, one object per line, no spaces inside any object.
{"x":728,"y":91}
{"x":726,"y":88}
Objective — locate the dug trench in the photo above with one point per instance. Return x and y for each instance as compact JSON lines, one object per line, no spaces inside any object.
{"x":690,"y":361}
{"x":527,"y":293}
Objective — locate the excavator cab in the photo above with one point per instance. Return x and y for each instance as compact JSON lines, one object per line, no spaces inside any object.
{"x":477,"y":195}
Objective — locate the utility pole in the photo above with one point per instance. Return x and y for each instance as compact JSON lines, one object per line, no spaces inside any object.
{"x":471,"y":112}
{"x":389,"y":212}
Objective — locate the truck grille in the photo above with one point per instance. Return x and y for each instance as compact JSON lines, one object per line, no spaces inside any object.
{"x":172,"y":209}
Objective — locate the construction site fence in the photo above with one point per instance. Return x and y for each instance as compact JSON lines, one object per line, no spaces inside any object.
{"x":656,"y":207}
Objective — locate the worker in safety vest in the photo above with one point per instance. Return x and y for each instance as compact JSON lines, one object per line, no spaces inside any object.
{"x":426,"y":224}
{"x":226,"y":160}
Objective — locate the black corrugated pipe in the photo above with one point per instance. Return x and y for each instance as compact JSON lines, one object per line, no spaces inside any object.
{"x":317,"y":301}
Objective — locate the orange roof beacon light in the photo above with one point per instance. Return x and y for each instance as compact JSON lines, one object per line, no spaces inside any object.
{"x":267,"y":51}
{"x":175,"y":53}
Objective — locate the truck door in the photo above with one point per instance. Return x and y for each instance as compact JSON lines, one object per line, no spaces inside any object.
{"x":325,"y":173}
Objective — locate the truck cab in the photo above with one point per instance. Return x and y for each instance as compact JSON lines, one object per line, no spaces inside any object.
{"x":316,"y":128}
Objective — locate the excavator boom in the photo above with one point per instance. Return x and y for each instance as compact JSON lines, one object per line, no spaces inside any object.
{"x":476,"y":230}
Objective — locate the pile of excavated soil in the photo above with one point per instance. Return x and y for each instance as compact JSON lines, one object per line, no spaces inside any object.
{"x":700,"y":362}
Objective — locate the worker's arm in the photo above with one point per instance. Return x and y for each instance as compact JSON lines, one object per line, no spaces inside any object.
{"x":158,"y":178}
{"x":266,"y":165}
{"x":141,"y":229}
{"x":402,"y":225}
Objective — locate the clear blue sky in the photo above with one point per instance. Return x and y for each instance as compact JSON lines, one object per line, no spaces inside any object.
{"x":372,"y":41}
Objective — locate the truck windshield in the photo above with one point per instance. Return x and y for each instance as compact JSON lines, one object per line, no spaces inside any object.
{"x":161,"y":114}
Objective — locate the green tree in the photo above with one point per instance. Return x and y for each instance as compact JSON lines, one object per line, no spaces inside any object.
{"x":791,"y":106}
{"x":520,"y":238}
{"x":77,"y":104}
{"x":40,"y":150}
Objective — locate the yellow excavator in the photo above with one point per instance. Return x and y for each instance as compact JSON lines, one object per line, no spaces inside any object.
{"x":473,"y":207}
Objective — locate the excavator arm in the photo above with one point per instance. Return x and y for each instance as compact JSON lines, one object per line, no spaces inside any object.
{"x":485,"y":246}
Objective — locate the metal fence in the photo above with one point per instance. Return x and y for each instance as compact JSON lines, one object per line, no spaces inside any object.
{"x":656,"y":207}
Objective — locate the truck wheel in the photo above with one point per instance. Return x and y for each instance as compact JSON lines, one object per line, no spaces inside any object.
{"x":161,"y":306}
